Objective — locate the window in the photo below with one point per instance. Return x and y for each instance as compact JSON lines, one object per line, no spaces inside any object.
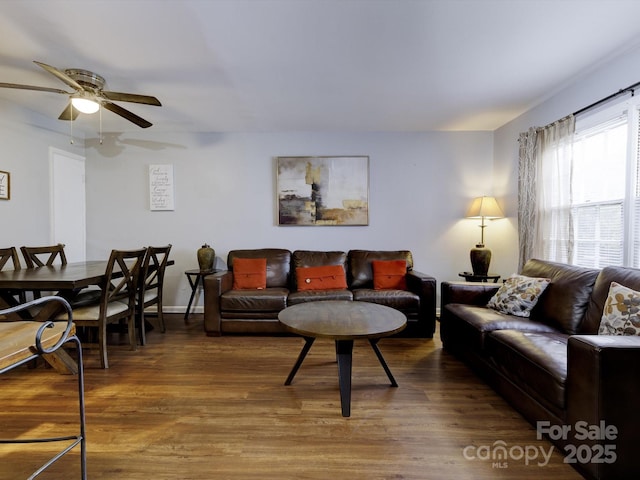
{"x":603,"y":202}
{"x":599,"y":183}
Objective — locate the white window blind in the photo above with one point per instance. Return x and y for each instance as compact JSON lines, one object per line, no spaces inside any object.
{"x":633,"y":231}
{"x":599,"y":190}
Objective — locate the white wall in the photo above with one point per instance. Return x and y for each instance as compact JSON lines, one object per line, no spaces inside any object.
{"x":25,"y":140}
{"x":420,"y":187}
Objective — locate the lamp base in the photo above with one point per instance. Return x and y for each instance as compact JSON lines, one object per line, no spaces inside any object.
{"x":480,"y":259}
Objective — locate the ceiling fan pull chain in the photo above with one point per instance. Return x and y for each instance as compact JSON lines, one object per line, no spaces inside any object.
{"x":71,"y":122}
{"x":100,"y":113}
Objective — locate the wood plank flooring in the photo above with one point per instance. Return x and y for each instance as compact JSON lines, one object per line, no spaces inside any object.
{"x":187,"y":406}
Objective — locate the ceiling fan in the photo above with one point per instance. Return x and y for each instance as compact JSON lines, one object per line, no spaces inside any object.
{"x":89,"y":95}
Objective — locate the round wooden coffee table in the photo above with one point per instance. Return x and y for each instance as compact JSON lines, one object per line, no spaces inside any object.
{"x":344,"y":322}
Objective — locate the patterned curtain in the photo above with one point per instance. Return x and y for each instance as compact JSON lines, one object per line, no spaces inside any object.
{"x":545,"y":220}
{"x":527,"y":211}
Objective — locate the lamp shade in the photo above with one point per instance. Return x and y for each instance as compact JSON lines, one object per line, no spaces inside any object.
{"x":484,"y":207}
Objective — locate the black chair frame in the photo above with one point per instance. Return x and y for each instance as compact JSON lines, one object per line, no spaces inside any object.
{"x":65,"y":338}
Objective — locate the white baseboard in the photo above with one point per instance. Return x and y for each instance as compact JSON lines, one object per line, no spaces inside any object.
{"x":182,"y":309}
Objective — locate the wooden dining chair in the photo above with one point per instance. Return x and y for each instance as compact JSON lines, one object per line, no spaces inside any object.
{"x":48,"y":255}
{"x":151,"y":286}
{"x":9,"y":257}
{"x":117,"y":301}
{"x":10,"y":260}
{"x":44,"y":256}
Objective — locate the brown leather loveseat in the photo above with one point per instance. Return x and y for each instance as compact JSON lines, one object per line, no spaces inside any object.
{"x":229,"y":310}
{"x":578,"y":388}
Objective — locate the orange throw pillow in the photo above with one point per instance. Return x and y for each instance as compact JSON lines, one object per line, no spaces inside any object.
{"x":249,"y":273}
{"x":389,"y":274}
{"x":329,"y":277}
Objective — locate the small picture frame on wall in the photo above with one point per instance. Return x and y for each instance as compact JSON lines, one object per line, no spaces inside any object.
{"x":5,"y":185}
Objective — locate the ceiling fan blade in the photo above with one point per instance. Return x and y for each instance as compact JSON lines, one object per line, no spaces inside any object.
{"x":132,"y":117}
{"x":61,"y":75}
{"x":32,"y":87}
{"x":69,"y":113}
{"x":131,"y":97}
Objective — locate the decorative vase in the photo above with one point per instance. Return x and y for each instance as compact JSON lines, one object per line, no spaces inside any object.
{"x":206,"y":257}
{"x":480,"y":260}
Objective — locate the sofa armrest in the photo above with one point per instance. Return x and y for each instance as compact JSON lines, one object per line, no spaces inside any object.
{"x":467,"y":293}
{"x":214,"y":286}
{"x":424,"y":286}
{"x":603,"y":385}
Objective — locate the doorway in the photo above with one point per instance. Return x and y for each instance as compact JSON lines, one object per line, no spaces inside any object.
{"x":68,"y":203}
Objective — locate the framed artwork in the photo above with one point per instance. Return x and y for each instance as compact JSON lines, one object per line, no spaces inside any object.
{"x":5,"y":186}
{"x":323,"y":190}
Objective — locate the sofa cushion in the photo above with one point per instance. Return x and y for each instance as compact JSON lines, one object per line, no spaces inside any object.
{"x":249,"y":273}
{"x":629,"y":277}
{"x":315,"y":258}
{"x":267,"y":300}
{"x":470,"y":324}
{"x":389,"y":274}
{"x":360,"y":272}
{"x":564,"y":302}
{"x":278,"y":263}
{"x":403,"y":300}
{"x":535,"y":362}
{"x":326,"y":277}
{"x":518,"y":295}
{"x":302,"y":296}
{"x":621,"y":315}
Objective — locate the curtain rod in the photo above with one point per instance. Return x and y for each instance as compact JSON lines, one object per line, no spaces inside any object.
{"x":630,"y":88}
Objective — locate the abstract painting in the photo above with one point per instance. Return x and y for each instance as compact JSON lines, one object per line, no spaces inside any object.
{"x":323,"y":190}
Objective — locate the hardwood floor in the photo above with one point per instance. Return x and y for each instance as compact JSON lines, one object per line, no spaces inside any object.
{"x":187,"y":406}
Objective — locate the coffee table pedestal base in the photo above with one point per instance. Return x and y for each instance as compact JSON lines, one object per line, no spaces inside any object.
{"x":344,"y":356}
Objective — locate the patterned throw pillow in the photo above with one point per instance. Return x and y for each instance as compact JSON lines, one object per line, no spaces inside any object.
{"x":518,"y":295}
{"x":621,"y":314}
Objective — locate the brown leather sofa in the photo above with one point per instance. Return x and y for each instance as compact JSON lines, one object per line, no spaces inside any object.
{"x":256,"y":311}
{"x":553,"y":367}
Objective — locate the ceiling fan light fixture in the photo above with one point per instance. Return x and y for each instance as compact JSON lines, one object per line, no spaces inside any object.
{"x":85,"y":105}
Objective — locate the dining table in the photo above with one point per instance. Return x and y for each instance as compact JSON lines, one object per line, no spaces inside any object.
{"x":64,"y":280}
{"x":67,"y":280}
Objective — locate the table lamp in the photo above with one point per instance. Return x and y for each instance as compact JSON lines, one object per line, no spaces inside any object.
{"x":483,"y":208}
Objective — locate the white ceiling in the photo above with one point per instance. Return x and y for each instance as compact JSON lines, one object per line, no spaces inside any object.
{"x":313,"y":65}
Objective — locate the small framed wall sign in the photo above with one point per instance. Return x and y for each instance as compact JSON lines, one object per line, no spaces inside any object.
{"x":5,"y":186}
{"x":161,"y":194}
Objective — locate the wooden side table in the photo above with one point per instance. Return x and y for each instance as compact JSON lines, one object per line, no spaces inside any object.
{"x":195,"y":277}
{"x":471,"y":277}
